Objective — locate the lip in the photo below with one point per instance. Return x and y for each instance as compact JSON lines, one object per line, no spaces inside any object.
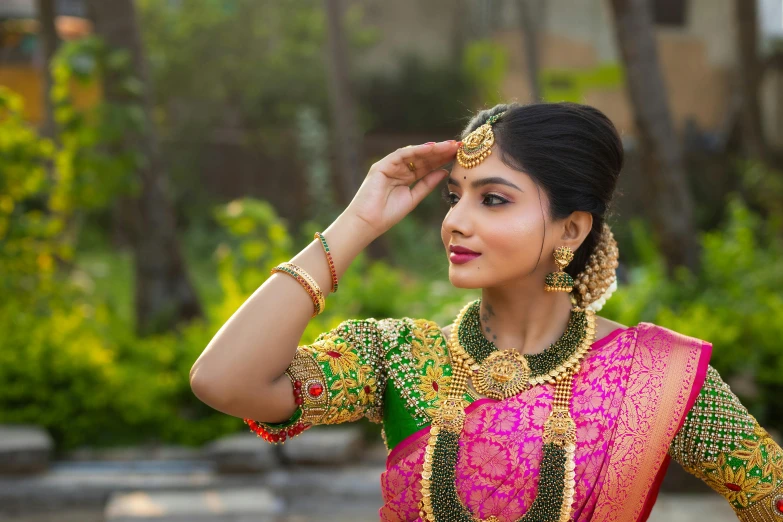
{"x":459,"y":259}
{"x":462,"y":250}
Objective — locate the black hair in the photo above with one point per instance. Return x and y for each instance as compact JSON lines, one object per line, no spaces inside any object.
{"x":570,"y":150}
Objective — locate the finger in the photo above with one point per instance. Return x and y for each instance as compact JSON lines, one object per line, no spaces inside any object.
{"x":428,"y":157}
{"x":426,"y":184}
{"x":422,"y":159}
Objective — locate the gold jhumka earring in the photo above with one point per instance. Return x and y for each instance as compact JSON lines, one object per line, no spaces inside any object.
{"x":560,"y":281}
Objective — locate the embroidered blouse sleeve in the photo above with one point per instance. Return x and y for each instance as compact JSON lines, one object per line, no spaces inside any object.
{"x":340,"y":377}
{"x":721,"y":443}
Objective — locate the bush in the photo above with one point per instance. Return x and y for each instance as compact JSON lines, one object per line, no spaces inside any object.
{"x":734,"y":302}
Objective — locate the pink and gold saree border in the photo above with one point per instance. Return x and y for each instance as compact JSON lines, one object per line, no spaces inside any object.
{"x":669,"y":370}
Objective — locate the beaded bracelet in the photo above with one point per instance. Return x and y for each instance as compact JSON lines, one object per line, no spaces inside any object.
{"x":307,"y":282}
{"x":278,"y":433}
{"x":329,"y":259}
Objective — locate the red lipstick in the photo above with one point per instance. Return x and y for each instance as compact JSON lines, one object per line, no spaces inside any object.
{"x":460,"y":255}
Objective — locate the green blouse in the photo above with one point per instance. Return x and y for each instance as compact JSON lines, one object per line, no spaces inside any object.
{"x":395,"y":371}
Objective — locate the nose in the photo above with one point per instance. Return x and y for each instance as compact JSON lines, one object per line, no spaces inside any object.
{"x":457,"y":220}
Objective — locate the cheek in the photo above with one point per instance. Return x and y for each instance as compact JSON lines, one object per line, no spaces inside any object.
{"x":519,"y":236}
{"x":444,"y":237}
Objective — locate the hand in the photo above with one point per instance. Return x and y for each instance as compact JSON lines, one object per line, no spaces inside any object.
{"x":386,"y":195}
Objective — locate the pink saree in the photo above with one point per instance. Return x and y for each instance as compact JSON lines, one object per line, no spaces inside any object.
{"x":630,"y":398}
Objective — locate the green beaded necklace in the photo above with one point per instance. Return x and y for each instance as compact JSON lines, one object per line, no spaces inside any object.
{"x":541,"y":364}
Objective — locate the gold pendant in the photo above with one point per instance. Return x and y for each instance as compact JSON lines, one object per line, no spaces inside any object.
{"x":450,"y":415}
{"x":560,"y":428}
{"x":503,"y":374}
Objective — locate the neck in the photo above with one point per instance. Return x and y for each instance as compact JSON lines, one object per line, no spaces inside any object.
{"x":527,"y":320}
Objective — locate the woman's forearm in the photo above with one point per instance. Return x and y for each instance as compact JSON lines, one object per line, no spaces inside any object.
{"x":241,"y":371}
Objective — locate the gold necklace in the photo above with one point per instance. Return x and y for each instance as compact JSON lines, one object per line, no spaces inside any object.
{"x":500,"y":374}
{"x":440,"y":501}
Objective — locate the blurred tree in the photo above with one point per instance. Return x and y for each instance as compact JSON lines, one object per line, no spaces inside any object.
{"x":531,"y":14}
{"x":342,"y":102}
{"x":230,"y":81}
{"x":749,"y":71}
{"x":47,"y":32}
{"x":164,"y":295}
{"x":671,"y":205}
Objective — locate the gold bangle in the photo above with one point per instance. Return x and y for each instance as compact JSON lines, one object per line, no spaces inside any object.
{"x":307,"y":282}
{"x":329,"y":259}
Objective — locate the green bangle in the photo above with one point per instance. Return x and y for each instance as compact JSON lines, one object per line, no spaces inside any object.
{"x":329,"y":260}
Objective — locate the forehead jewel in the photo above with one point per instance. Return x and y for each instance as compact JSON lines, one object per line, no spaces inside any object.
{"x":478,"y":144}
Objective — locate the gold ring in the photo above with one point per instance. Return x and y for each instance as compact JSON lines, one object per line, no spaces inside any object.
{"x":411,"y":167}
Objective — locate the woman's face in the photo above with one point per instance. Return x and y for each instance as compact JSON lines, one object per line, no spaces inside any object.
{"x":501,"y":214}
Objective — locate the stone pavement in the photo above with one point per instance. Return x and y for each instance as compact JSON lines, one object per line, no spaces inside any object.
{"x":673,"y":507}
{"x":328,"y":476}
{"x":180,"y":494}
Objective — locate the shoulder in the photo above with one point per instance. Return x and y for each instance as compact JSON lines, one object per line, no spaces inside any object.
{"x":652,"y":338}
{"x":446,"y":331}
{"x":604,"y":326}
{"x":389,"y":328}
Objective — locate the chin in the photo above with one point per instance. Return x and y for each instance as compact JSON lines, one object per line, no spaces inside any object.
{"x":464,"y":281}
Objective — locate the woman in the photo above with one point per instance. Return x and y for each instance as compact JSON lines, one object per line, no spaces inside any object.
{"x":529,"y":406}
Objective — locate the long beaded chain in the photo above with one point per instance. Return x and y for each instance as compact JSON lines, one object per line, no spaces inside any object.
{"x":440,"y":501}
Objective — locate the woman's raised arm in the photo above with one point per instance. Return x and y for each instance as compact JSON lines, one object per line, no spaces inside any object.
{"x":242,"y":370}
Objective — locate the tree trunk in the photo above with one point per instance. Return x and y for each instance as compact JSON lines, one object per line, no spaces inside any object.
{"x":342,"y":101}
{"x":749,"y":73}
{"x":50,"y":42}
{"x":163,"y":292}
{"x":345,"y":123}
{"x":530,"y":21}
{"x":662,"y":161}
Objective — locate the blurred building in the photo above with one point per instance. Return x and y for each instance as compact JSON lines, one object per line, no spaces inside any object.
{"x":21,"y":56}
{"x":578,"y":58}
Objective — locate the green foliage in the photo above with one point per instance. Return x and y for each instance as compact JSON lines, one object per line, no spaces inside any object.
{"x":91,"y":164}
{"x":27,"y":234}
{"x":486,"y":63}
{"x":570,"y":85}
{"x":734,"y":301}
{"x":249,"y":67}
{"x":237,"y":76}
{"x":418,"y":97}
{"x":764,"y":187}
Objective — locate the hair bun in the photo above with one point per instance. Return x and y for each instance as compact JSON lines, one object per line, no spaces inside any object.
{"x":598,"y":281}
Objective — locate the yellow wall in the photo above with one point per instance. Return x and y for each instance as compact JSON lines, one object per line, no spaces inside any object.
{"x":27,"y":81}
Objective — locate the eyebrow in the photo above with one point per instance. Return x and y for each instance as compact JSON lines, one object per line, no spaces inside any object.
{"x":476,"y":183}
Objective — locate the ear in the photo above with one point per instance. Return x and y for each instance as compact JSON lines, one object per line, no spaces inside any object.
{"x":576,"y":228}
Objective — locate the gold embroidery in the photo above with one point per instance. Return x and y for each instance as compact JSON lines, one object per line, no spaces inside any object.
{"x":305,"y":370}
{"x":716,"y":423}
{"x":721,"y":443}
{"x":766,"y":510}
{"x":432,"y":382}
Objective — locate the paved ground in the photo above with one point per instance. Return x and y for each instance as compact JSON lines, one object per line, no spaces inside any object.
{"x":670,"y":508}
{"x":191,"y":492}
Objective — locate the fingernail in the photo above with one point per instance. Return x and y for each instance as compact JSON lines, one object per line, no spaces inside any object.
{"x":430,"y":143}
{"x":459,"y":144}
{"x":451,"y":141}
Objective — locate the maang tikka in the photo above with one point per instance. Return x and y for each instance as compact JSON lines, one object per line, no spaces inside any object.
{"x":478,"y":144}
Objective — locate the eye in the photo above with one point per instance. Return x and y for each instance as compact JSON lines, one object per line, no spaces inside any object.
{"x":448,"y":198}
{"x":447,"y":195}
{"x":498,"y":198}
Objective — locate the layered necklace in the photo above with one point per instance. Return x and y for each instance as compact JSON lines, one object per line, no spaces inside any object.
{"x":501,"y":374}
